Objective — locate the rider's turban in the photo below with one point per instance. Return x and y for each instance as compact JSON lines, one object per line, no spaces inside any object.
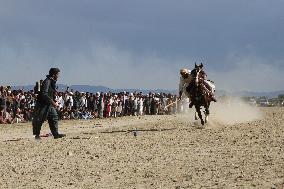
{"x":184,"y":71}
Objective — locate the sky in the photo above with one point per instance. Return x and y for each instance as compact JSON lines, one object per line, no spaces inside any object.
{"x":143,"y":44}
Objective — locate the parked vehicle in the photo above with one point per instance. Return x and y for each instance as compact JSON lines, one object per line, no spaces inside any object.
{"x":264,"y":103}
{"x":252,"y":102}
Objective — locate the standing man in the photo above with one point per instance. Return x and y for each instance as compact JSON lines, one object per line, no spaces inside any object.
{"x":46,"y":106}
{"x":101,"y":105}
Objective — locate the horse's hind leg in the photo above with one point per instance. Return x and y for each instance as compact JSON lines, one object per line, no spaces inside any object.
{"x":199,"y":114}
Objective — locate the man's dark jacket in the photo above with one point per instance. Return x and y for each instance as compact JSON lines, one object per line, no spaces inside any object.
{"x":45,"y":98}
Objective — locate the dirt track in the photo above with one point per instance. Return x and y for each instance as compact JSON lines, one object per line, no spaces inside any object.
{"x":168,"y":152}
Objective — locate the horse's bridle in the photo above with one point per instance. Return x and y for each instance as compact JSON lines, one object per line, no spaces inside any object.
{"x":196,"y":76}
{"x":198,"y":81}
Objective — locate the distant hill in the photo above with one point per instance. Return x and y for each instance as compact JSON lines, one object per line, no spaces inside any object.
{"x":94,"y":89}
{"x":145,"y":91}
{"x":84,"y":88}
{"x":61,"y":87}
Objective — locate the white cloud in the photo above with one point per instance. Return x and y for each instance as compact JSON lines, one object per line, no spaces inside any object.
{"x":99,"y":65}
{"x":250,"y":73}
{"x":37,"y":35}
{"x":104,"y":64}
{"x":109,"y":66}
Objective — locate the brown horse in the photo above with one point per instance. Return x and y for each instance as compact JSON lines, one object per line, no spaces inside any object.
{"x":200,"y":96}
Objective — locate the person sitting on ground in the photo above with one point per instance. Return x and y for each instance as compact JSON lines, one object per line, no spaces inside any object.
{"x":9,"y":116}
{"x":2,"y":116}
{"x":19,"y":117}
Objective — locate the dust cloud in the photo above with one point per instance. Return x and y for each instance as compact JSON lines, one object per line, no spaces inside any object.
{"x":229,"y":111}
{"x":233,"y":111}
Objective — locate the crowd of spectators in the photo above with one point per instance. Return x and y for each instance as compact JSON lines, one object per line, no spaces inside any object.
{"x":16,"y":106}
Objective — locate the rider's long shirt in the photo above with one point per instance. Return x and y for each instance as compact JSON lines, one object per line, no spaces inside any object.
{"x":184,"y":81}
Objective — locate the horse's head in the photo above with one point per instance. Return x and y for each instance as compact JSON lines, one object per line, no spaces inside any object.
{"x":195,"y":73}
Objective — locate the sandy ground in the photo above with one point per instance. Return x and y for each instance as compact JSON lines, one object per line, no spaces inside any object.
{"x":240,"y":147}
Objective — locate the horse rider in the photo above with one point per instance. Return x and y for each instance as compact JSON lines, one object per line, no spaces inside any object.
{"x":185,"y":81}
{"x":185,"y":84}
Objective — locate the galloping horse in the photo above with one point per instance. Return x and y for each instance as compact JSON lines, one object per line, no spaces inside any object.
{"x":199,"y":93}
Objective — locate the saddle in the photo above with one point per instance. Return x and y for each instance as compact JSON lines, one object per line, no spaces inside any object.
{"x":190,"y":89}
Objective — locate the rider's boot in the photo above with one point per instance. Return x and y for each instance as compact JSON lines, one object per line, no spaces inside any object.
{"x":190,"y":104}
{"x":213,"y":98}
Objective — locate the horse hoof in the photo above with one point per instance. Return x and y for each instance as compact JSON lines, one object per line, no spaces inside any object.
{"x":206,"y":120}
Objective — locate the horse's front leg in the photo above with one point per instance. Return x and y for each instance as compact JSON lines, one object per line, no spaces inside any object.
{"x":207,"y":114}
{"x":199,"y":114}
{"x":196,"y":115}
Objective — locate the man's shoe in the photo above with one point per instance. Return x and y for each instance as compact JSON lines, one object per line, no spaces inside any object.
{"x":59,"y":136}
{"x":37,"y":137}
